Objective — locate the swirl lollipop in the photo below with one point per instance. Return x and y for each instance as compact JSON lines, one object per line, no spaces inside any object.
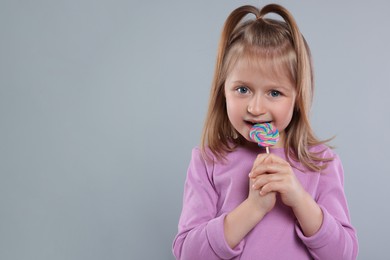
{"x":264,"y":135}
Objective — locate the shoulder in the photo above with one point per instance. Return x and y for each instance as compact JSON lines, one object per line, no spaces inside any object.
{"x":197,"y":156}
{"x":204,"y":156}
{"x":203,"y":159}
{"x":328,"y":159}
{"x":324,"y":152}
{"x":334,"y":168}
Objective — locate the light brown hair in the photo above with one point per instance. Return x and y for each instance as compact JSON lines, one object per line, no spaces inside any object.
{"x":280,"y":42}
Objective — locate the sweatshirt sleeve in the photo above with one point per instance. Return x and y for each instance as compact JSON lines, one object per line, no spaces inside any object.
{"x":201,"y":231}
{"x":336,"y":239}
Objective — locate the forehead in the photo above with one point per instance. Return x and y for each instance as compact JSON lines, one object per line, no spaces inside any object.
{"x":256,"y":68}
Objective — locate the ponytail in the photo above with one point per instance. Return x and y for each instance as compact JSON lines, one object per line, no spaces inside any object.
{"x":230,"y":25}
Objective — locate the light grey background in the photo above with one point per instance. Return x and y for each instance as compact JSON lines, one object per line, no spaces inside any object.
{"x":102,"y":101}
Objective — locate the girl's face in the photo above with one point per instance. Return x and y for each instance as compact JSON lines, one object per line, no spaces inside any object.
{"x":256,"y":93}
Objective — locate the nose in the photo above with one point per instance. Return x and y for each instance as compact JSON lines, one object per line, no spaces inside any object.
{"x":257,"y":106}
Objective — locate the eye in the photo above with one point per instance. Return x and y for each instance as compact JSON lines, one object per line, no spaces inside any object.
{"x":275,"y":93}
{"x":242,"y":90}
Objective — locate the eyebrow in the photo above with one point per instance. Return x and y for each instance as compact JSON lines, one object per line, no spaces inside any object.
{"x":241,"y":82}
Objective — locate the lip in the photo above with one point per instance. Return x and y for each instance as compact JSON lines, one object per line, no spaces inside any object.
{"x":251,"y":123}
{"x":254,"y":122}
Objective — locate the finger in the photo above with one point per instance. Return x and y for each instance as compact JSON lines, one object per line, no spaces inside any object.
{"x":266,"y":189}
{"x":263,"y":180}
{"x":275,"y":186}
{"x":260,"y":159}
{"x":266,"y":168}
{"x":272,"y":158}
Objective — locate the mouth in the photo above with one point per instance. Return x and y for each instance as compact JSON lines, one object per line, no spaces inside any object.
{"x":252,"y":123}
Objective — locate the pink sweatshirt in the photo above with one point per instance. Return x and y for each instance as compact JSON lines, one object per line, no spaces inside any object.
{"x":212,"y":190}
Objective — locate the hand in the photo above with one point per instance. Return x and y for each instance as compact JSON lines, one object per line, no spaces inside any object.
{"x":262,"y":202}
{"x":271,"y":174}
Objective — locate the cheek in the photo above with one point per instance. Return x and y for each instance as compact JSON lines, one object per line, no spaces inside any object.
{"x":290,"y":108}
{"x":234,"y":108}
{"x":229,"y":104}
{"x":285,"y":114}
{"x":230,"y":110}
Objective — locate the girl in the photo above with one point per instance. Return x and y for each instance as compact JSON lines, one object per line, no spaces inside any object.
{"x":239,"y":202}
